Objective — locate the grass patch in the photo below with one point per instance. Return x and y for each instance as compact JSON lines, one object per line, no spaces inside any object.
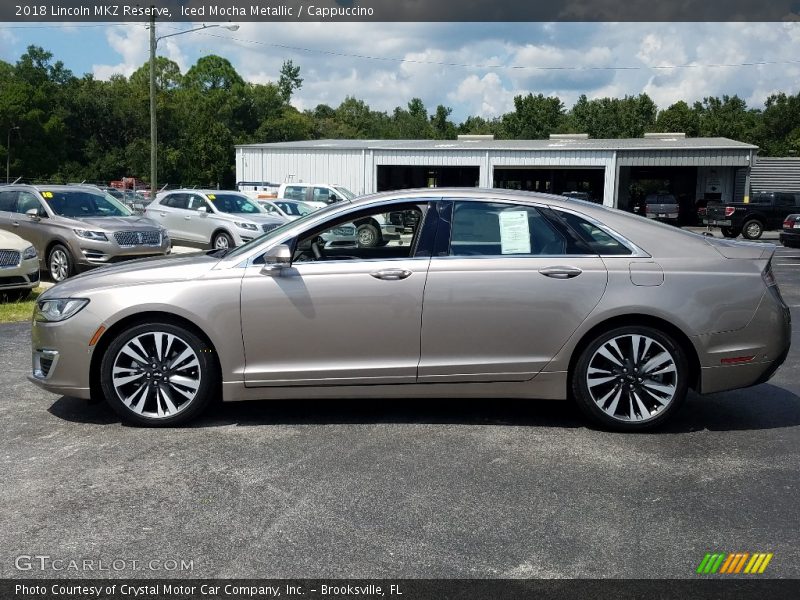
{"x":14,"y":309}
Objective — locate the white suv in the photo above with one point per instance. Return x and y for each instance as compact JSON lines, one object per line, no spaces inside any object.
{"x":372,"y":232}
{"x":211,"y":218}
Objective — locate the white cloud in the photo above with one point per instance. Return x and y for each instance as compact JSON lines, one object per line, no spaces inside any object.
{"x":475,"y":68}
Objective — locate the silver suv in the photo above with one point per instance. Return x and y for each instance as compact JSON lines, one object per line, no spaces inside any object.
{"x":214,"y":218}
{"x":77,"y":227}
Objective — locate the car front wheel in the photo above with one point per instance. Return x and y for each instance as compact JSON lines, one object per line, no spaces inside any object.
{"x":222,"y":241}
{"x":158,"y":374}
{"x":60,"y":264}
{"x":630,"y":378}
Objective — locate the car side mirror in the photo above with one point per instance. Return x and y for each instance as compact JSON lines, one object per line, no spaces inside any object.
{"x":33,"y":214}
{"x":277,"y":259}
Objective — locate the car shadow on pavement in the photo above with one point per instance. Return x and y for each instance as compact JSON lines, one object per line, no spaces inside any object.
{"x":761,"y":407}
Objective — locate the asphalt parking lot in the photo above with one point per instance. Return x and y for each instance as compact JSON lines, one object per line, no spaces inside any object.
{"x":483,"y":488}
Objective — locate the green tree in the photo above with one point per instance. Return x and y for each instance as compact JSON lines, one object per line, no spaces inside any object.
{"x":289,"y":80}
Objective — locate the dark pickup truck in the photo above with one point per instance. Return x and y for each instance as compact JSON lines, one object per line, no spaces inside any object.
{"x":765,"y":210}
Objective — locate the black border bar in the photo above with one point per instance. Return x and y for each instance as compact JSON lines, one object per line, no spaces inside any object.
{"x":210,"y":11}
{"x":733,"y":588}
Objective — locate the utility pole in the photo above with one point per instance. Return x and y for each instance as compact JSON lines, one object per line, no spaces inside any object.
{"x":8,"y":153}
{"x":153,"y":130}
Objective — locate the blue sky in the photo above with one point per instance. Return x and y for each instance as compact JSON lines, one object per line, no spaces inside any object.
{"x":475,"y":68}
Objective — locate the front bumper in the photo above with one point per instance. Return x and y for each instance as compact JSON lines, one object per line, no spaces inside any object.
{"x":23,"y":276}
{"x":94,"y":253}
{"x":61,"y":355}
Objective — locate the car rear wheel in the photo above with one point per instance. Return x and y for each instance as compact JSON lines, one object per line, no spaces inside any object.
{"x":158,"y":374}
{"x":369,"y":236}
{"x":729,"y":232}
{"x":752,"y":229}
{"x":222,"y":241}
{"x":60,"y":263}
{"x":630,"y":378}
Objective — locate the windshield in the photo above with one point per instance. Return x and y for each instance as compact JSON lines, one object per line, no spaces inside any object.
{"x":80,"y":204}
{"x":344,"y":192}
{"x":296,"y":209}
{"x":234,"y":203}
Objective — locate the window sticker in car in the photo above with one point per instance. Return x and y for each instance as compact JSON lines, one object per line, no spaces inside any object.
{"x":211,"y":197}
{"x":47,"y":194}
{"x":515,"y":236}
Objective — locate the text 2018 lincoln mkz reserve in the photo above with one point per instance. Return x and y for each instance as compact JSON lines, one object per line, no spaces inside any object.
{"x":490,"y":293}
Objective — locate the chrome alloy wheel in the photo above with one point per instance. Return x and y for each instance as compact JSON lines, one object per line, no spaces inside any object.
{"x":156,"y":374}
{"x":59,"y":265}
{"x":221,"y":242}
{"x":632,"y":377}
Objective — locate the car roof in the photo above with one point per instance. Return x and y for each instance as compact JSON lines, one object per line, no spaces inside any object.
{"x":55,"y":187}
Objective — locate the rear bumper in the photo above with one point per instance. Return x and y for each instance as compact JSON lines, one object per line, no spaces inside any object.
{"x":790,"y":238}
{"x":766,"y":338}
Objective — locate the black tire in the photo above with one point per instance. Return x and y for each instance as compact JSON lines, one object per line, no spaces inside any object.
{"x":152,"y":401}
{"x":60,"y":263}
{"x":221,"y":240}
{"x":617,"y":396}
{"x":369,"y":235}
{"x":729,"y":232}
{"x":752,"y":229}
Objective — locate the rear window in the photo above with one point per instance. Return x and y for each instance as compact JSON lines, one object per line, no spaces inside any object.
{"x":598,"y":240}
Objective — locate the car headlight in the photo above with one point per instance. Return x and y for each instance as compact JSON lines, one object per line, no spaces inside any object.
{"x":97,"y":236}
{"x":248,"y":226}
{"x":58,"y":309}
{"x":28,"y":253}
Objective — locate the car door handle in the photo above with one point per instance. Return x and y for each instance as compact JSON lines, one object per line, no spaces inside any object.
{"x":560,"y":272}
{"x":391,"y":274}
{"x":163,"y":214}
{"x":15,"y":223}
{"x":187,"y":218}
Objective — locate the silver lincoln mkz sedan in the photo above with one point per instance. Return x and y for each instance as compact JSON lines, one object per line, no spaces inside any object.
{"x":494,"y":294}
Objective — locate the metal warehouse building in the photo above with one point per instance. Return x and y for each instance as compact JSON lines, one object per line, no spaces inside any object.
{"x":616,"y":172}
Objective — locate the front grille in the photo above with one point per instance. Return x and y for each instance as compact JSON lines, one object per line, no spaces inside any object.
{"x":12,"y":280}
{"x":266,"y":228}
{"x":138,"y":238}
{"x":9,"y":258}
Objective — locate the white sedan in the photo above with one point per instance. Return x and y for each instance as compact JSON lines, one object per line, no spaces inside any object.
{"x":19,"y":266}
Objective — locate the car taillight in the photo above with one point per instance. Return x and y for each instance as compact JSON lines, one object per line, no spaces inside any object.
{"x":729,"y":210}
{"x":788,"y":223}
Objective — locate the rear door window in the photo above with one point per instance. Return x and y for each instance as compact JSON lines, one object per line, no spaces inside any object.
{"x":176,"y":201}
{"x":500,"y":229}
{"x":8,"y":201}
{"x":599,"y":241}
{"x":294,"y":192}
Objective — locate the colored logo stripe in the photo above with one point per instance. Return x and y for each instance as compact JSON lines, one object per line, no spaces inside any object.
{"x":734,"y":563}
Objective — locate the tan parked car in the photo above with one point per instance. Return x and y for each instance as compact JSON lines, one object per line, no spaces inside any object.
{"x":78,"y":227}
{"x":498,"y":294}
{"x":19,"y":266}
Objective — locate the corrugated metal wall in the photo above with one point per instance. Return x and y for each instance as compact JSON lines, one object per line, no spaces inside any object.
{"x":342,"y":167}
{"x":684,"y":158}
{"x":775,"y":175}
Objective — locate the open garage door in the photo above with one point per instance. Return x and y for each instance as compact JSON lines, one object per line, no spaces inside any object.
{"x":586,"y":184}
{"x":400,"y":177}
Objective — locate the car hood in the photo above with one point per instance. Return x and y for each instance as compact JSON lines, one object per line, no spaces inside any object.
{"x":132,"y":223}
{"x":268,"y":219}
{"x":11,"y":241}
{"x":175,"y":267}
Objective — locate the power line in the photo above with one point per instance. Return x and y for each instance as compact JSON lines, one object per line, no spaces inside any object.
{"x":395,"y":59}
